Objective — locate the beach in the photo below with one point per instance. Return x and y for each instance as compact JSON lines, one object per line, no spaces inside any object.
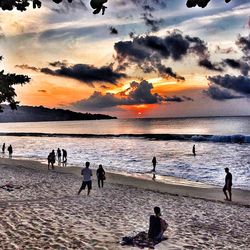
{"x":45,"y":212}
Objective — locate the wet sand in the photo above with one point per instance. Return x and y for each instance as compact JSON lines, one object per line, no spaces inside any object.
{"x":45,"y":211}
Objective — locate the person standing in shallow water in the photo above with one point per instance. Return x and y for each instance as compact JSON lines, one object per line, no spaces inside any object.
{"x":154,"y":163}
{"x":59,"y":155}
{"x":3,"y":148}
{"x":10,"y":150}
{"x":194,"y":151}
{"x":228,"y":185}
{"x":100,"y":173}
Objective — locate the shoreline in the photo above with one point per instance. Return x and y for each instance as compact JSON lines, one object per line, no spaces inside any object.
{"x":162,"y":184}
{"x":43,"y":211}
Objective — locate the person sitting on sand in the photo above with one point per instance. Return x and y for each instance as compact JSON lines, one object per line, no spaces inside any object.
{"x":100,"y":173}
{"x":86,"y":173}
{"x":228,"y":185}
{"x":157,"y":226}
{"x":154,"y":163}
{"x":10,"y":150}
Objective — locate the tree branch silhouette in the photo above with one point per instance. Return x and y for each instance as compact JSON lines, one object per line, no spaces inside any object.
{"x":7,"y":90}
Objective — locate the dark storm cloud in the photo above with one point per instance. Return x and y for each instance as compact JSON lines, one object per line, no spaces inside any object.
{"x":147,"y":52}
{"x":88,"y":74}
{"x":25,"y":66}
{"x":240,"y":84}
{"x":136,"y":94}
{"x":220,"y":94}
{"x":209,"y":65}
{"x":113,"y":31}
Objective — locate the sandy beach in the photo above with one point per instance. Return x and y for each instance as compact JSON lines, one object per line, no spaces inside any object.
{"x":44,"y":211}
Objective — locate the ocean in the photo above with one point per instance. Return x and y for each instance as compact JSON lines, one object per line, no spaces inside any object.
{"x":128,"y":145}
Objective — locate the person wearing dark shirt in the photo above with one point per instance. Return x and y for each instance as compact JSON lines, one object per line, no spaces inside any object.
{"x":157,"y":226}
{"x":228,"y":185}
{"x":64,"y":152}
{"x":100,"y":173}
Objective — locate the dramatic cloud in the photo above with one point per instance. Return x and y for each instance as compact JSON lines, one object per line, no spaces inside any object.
{"x":88,"y":74}
{"x":113,"y":31}
{"x":219,"y":94}
{"x":148,"y":52}
{"x":240,"y":84}
{"x":136,"y":94}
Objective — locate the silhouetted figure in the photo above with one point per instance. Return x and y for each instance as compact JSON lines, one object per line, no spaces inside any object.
{"x":87,"y":180}
{"x":228,"y":185}
{"x":98,"y":6}
{"x":154,"y":163}
{"x":100,"y":173}
{"x":10,"y":150}
{"x":59,"y":155}
{"x":64,"y":153}
{"x":157,"y":226}
{"x":51,"y":159}
{"x":3,"y":148}
{"x":194,"y":152}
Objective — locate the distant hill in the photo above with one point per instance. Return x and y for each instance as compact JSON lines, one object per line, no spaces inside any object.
{"x":36,"y":114}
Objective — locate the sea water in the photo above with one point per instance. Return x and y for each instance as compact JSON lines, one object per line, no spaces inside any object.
{"x":129,"y":145}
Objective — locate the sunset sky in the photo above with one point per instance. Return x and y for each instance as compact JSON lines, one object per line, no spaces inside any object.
{"x":140,"y":59}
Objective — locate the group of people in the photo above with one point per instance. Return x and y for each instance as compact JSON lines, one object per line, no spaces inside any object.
{"x":61,"y":157}
{"x":87,"y":177}
{"x":10,"y":149}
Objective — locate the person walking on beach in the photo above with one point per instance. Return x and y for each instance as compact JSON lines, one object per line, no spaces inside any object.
{"x":228,"y":185}
{"x":100,"y":173}
{"x":87,"y":180}
{"x":194,"y":152}
{"x":64,"y":152}
{"x":3,"y":148}
{"x":157,"y":226}
{"x":154,"y":163}
{"x":10,"y":150}
{"x":59,"y":154}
